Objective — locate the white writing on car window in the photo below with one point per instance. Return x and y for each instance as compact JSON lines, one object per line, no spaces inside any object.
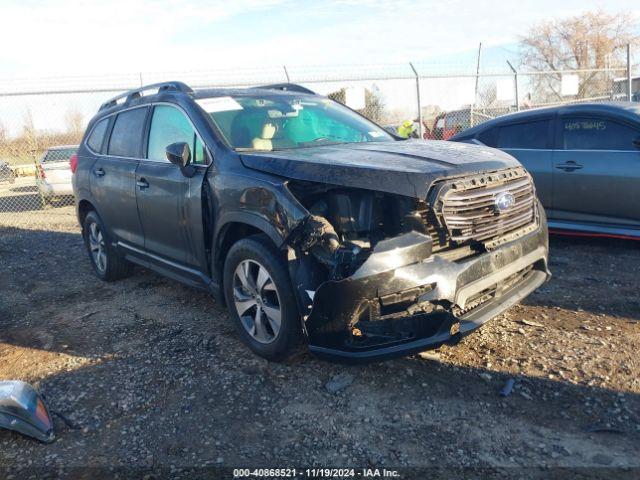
{"x":585,"y":125}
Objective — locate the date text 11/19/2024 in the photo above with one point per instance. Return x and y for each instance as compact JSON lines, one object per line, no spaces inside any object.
{"x":276,"y":473}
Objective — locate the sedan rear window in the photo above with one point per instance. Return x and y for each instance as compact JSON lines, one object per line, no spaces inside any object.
{"x":584,"y":133}
{"x":58,"y":155}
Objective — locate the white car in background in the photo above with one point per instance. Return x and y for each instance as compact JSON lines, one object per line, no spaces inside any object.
{"x":6,"y":174}
{"x":54,"y":173}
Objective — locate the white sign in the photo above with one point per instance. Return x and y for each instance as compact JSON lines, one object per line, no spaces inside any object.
{"x":218,"y":104}
{"x":355,"y":98}
{"x":505,"y":89}
{"x":570,"y":84}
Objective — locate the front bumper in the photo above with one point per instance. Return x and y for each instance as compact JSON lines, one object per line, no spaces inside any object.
{"x":401,"y":301}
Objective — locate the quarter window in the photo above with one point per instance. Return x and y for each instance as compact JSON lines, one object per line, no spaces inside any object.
{"x":489,"y":137}
{"x":97,"y":136}
{"x":532,"y":135}
{"x":591,"y":133}
{"x":170,"y":125}
{"x":127,"y":133}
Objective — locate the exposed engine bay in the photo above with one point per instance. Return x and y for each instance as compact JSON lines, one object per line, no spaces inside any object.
{"x":346,"y":224}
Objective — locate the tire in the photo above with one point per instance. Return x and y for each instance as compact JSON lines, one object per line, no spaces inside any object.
{"x":107,"y":264}
{"x":257,"y":298}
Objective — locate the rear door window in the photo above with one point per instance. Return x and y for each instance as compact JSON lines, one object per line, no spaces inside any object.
{"x":531,"y":135}
{"x":170,"y":125}
{"x":126,"y":135}
{"x":593,"y":133}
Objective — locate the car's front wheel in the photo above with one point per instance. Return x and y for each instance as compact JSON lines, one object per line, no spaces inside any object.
{"x":260,"y":298}
{"x":105,"y":260}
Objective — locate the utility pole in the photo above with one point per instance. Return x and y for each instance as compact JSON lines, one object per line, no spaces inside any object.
{"x":475,"y":92}
{"x":415,"y":72}
{"x":629,"y":79}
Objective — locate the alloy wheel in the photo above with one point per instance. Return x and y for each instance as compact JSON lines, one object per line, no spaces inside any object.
{"x":257,"y":301}
{"x":97,"y":247}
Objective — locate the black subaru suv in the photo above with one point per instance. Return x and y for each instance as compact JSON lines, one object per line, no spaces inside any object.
{"x":309,"y":221}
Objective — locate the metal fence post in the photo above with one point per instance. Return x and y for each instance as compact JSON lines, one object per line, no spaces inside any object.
{"x":515,"y":84}
{"x":629,"y":86}
{"x":475,"y":90}
{"x":420,"y":126}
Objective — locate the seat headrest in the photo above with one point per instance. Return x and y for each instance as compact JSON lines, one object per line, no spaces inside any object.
{"x":268,"y":131}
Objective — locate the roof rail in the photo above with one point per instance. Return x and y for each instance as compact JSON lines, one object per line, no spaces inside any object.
{"x":137,"y":92}
{"x":287,"y":87}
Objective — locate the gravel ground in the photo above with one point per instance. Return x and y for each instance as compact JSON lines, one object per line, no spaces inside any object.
{"x":148,"y":375}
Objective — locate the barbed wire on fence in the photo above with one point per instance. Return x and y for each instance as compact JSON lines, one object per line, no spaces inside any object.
{"x":40,"y":116}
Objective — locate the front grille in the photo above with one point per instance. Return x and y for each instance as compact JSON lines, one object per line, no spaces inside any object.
{"x":469,"y":210}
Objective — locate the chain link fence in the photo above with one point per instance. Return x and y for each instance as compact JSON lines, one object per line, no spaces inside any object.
{"x":42,"y":121}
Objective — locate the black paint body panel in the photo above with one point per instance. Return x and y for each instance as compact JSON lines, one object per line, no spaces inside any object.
{"x":178,"y":225}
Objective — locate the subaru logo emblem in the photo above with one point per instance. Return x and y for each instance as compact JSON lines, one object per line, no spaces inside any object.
{"x":504,"y":201}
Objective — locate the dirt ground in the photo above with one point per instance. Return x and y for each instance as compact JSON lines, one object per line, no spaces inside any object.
{"x":146,"y":375}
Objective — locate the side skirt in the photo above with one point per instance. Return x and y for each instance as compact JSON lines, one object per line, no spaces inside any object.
{"x":175,"y":271}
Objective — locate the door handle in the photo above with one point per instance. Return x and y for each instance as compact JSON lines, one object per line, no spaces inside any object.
{"x":142,"y":184}
{"x":99,"y":172}
{"x":570,"y":166}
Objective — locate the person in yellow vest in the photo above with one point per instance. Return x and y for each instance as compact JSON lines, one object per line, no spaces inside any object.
{"x":407,"y":129}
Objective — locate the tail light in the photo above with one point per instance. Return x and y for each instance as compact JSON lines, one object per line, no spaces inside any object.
{"x":73,"y":162}
{"x":41,"y":173}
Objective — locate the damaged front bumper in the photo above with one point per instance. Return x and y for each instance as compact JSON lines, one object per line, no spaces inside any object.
{"x":404,"y":300}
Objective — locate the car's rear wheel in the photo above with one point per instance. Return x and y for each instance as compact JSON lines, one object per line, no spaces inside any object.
{"x":260,"y":298}
{"x":107,"y":264}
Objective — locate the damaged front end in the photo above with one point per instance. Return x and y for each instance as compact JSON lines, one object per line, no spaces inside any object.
{"x":380,"y":275}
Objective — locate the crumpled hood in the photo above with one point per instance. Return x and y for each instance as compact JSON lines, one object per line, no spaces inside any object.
{"x":402,"y":167}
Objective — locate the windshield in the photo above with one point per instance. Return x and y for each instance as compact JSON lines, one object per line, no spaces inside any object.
{"x":282,"y":122}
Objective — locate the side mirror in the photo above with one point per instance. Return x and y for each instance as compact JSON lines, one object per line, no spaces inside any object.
{"x":179,"y":154}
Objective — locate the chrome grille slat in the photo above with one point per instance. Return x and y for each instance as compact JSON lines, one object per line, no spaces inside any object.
{"x":489,"y":214}
{"x":469,"y":212}
{"x":491,"y":230}
{"x":489,"y":200}
{"x":480,"y":191}
{"x":489,"y":227}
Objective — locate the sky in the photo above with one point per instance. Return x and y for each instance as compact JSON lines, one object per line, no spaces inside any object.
{"x":69,"y":45}
{"x":71,"y":37}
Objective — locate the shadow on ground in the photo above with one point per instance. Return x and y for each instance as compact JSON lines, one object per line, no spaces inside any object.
{"x":145,"y":374}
